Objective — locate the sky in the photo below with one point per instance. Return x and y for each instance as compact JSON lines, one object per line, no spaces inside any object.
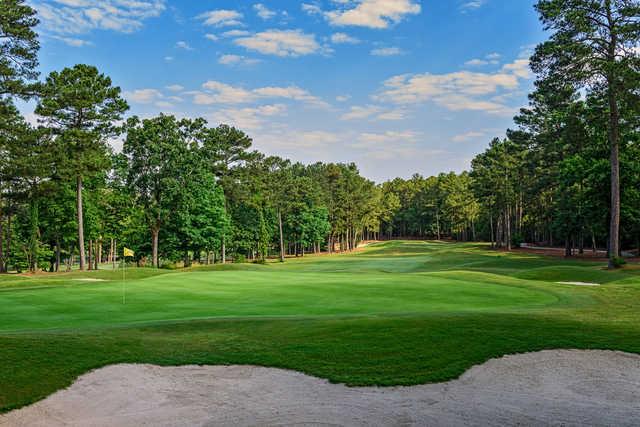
{"x":397,"y":86}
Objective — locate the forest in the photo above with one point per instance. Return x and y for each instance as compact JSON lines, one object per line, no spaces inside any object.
{"x":183,"y":190}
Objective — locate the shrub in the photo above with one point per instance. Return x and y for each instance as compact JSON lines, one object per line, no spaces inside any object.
{"x":517,"y":240}
{"x":618,"y":262}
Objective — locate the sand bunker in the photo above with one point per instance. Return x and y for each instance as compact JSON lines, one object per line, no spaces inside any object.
{"x":567,"y":387}
{"x":579,"y":283}
{"x":89,"y":280}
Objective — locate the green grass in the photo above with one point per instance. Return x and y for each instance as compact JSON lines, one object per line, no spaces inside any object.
{"x":397,"y":313}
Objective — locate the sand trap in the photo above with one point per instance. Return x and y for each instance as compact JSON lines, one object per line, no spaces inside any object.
{"x":89,"y":280}
{"x":579,"y":283}
{"x":567,"y":387}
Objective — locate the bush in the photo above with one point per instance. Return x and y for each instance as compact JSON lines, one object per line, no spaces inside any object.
{"x":239,"y":259}
{"x":517,"y":240}
{"x":169,"y":265}
{"x":618,"y":262}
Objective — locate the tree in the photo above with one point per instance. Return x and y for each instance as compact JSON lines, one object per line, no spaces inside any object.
{"x":82,"y":107}
{"x":18,"y":48}
{"x":154,"y":149}
{"x":594,"y":45}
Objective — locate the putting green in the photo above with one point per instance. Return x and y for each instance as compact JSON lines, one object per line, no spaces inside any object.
{"x":395,"y":313}
{"x":260,"y":293}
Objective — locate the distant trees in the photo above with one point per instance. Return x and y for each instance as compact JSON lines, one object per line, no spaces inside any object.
{"x":183,"y":190}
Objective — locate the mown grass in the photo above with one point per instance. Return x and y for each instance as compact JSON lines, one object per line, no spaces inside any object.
{"x":397,"y":313}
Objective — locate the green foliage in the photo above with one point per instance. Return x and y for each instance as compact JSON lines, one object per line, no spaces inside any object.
{"x":618,"y":262}
{"x":18,"y":49}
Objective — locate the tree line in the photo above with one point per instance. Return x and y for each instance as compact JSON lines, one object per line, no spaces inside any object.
{"x":182,"y":190}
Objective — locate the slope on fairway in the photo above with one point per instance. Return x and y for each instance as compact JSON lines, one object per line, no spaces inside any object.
{"x":262,"y":292}
{"x":395,"y":313}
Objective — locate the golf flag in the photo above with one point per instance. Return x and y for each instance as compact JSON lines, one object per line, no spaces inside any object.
{"x":128,"y":252}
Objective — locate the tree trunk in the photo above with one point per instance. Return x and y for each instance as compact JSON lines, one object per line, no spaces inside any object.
{"x":57,"y":269}
{"x":224,"y":252}
{"x":154,"y":247}
{"x":614,"y":230}
{"x":70,"y":259}
{"x":507,"y":228}
{"x":493,"y":245}
{"x":2,"y":265}
{"x":80,"y":221}
{"x":281,"y":236}
{"x":115,"y":253}
{"x":90,"y":253}
{"x":9,"y":238}
{"x":96,"y":254}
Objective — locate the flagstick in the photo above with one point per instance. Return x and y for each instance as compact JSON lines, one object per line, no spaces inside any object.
{"x":124,"y":283}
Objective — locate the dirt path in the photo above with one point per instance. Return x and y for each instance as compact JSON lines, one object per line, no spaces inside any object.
{"x":550,"y":387}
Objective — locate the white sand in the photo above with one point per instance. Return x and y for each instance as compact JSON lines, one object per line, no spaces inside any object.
{"x":567,"y":387}
{"x":89,"y":280}
{"x":579,"y":283}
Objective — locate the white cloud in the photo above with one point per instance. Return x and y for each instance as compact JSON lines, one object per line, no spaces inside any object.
{"x":221,"y":18}
{"x":468,"y":136}
{"x":281,"y":43}
{"x":168,"y":58}
{"x":72,"y":41}
{"x":461,"y":90}
{"x":230,"y":59}
{"x":222,"y":93}
{"x":175,"y":88}
{"x":472,"y":5}
{"x":163,"y":104}
{"x":476,"y":63}
{"x":143,"y":96}
{"x":373,"y":13}
{"x":343,"y":98}
{"x":311,"y":9}
{"x":248,"y":118}
{"x":236,"y":33}
{"x":343,"y":38}
{"x":492,"y":58}
{"x":357,"y":112}
{"x":387,"y":51}
{"x":84,"y":16}
{"x":315,"y":142}
{"x":391,"y":145}
{"x":183,"y":45}
{"x":263,"y":12}
{"x":392,"y":115}
{"x":520,"y":68}
{"x":372,"y":111}
{"x":211,"y":37}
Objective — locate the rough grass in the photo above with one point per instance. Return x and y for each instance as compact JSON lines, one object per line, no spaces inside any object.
{"x":396,"y":313}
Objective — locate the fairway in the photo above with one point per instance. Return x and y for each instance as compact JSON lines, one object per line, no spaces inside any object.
{"x":394,"y":313}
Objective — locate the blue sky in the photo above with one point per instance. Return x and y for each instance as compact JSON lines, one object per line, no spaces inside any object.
{"x":397,"y":86}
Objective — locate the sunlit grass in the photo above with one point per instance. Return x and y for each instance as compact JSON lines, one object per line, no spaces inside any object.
{"x":395,"y":313}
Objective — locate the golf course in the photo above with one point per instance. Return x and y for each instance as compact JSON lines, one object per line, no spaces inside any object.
{"x":393,"y":313}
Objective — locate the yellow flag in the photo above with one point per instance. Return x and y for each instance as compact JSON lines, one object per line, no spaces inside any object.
{"x":128,"y":252}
